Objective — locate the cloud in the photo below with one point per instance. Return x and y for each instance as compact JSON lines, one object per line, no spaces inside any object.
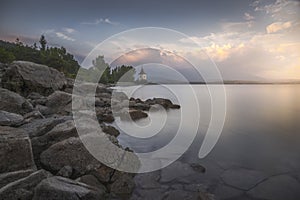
{"x":278,"y":26}
{"x":63,"y":36}
{"x":69,"y":30}
{"x":280,"y":10}
{"x":100,"y":21}
{"x":248,"y":17}
{"x":236,"y":26}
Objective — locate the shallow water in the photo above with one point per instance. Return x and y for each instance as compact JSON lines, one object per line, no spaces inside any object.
{"x":261,"y":133}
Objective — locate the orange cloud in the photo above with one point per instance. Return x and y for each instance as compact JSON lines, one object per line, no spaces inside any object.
{"x":278,"y":26}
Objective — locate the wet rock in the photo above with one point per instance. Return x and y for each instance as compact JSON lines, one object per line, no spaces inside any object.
{"x":10,"y":119}
{"x":110,"y":130}
{"x":13,"y":102}
{"x":15,"y":150}
{"x":139,"y":106}
{"x":23,"y":188}
{"x":242,"y":178}
{"x":102,"y":173}
{"x":148,"y":180}
{"x":26,"y":77}
{"x":104,"y":114}
{"x":60,"y":103}
{"x":133,"y":115}
{"x":92,"y":181}
{"x":9,"y":177}
{"x":66,"y":172}
{"x":123,"y":185}
{"x":277,"y":188}
{"x":197,"y":167}
{"x":62,"y":188}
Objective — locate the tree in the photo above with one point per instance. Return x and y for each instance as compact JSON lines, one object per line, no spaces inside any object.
{"x":5,"y":56}
{"x":43,"y":42}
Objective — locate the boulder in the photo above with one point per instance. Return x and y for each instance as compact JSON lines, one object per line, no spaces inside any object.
{"x":69,"y":152}
{"x":104,"y":115}
{"x":26,"y":77}
{"x":66,"y":172}
{"x":56,"y":187}
{"x":110,"y":130}
{"x":60,"y":103}
{"x":23,"y":188}
{"x":92,"y":181}
{"x":132,"y":114}
{"x":60,"y":132}
{"x":123,"y":185}
{"x":9,"y":177}
{"x":166,"y":103}
{"x":37,"y":99}
{"x":13,"y":102}
{"x":15,"y":150}
{"x":10,"y":119}
{"x":39,"y":127}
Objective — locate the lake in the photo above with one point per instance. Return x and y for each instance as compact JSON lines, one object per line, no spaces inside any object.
{"x":258,"y":153}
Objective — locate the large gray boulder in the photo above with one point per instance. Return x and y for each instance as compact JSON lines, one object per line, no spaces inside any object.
{"x":26,"y":77}
{"x":10,"y":119}
{"x":9,"y":177}
{"x":23,"y":188}
{"x":13,"y":102}
{"x":57,"y":187}
{"x":15,"y":150}
{"x":70,"y":152}
{"x":58,"y":133}
{"x":39,"y":127}
{"x":59,"y":103}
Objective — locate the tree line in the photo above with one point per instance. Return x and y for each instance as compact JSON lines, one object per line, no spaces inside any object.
{"x":55,"y":57}
{"x":60,"y":59}
{"x":111,"y":75}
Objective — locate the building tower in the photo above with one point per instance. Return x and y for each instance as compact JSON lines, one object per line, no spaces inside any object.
{"x":142,"y":76}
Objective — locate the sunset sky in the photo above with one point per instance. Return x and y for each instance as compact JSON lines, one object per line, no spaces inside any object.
{"x":247,"y":40}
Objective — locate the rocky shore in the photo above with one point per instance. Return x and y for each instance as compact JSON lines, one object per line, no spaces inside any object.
{"x":42,"y":156}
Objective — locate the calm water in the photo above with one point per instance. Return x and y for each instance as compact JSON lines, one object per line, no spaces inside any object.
{"x":261,"y":131}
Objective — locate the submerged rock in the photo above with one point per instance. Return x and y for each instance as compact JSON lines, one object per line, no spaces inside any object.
{"x":26,"y":77}
{"x":242,"y":178}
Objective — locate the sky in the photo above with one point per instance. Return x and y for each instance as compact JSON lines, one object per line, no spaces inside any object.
{"x":245,"y":39}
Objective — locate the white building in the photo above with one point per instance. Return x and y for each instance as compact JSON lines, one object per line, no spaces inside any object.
{"x":142,"y":76}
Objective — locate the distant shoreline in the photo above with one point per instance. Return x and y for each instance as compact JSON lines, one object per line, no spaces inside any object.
{"x":216,"y":83}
